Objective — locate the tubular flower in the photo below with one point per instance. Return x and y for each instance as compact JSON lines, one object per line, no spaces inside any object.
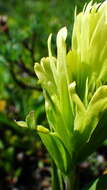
{"x":74,"y":86}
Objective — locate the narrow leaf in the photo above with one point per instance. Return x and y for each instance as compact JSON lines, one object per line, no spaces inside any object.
{"x":99,"y":184}
{"x":57,"y":151}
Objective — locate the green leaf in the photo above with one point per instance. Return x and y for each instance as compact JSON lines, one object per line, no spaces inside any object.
{"x":57,"y":123}
{"x":57,"y":151}
{"x":99,"y":184}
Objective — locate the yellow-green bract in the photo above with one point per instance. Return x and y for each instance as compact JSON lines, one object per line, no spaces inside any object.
{"x":74,"y":86}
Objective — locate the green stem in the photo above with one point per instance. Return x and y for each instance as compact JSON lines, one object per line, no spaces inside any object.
{"x":70,"y":182}
{"x":57,"y":183}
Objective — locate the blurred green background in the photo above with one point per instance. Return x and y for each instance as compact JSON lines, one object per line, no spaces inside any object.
{"x":24,"y":30}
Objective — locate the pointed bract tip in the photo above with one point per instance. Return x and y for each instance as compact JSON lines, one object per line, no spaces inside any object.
{"x":42,"y":129}
{"x":49,"y":45}
{"x":62,"y":34}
